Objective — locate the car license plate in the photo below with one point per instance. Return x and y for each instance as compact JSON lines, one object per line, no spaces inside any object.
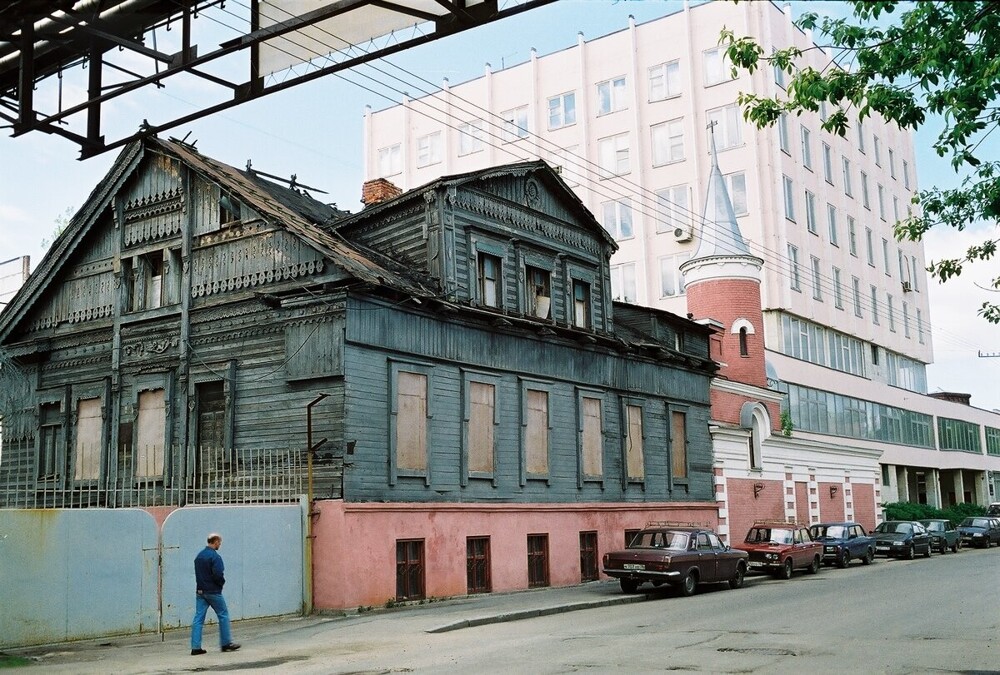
{"x":633,"y":566}
{"x":756,"y":564}
{"x":881,"y":548}
{"x":829,"y":549}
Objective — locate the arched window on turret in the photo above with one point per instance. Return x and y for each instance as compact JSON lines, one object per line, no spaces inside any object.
{"x":744,"y":350}
{"x":757,"y":422}
{"x":743,"y":328}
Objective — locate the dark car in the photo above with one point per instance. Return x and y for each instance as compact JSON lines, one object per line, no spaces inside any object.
{"x":993,"y":510}
{"x":979,"y":531}
{"x":682,"y":556}
{"x":943,"y":535}
{"x":842,"y":542}
{"x":901,"y":539}
{"x":780,"y":548}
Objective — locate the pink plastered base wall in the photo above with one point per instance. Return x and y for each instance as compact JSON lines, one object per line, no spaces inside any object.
{"x":354,"y":545}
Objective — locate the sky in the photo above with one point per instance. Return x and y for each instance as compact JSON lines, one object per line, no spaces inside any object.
{"x":314,"y":131}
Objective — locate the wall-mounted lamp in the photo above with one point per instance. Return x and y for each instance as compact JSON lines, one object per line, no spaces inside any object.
{"x":833,"y":491}
{"x":757,"y":488}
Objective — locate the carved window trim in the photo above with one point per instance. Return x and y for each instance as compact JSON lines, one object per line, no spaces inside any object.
{"x":427,"y":370}
{"x":526,"y":385}
{"x":469,"y":378}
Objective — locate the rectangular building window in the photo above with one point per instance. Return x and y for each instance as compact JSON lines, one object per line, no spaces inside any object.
{"x":482,"y":419}
{"x":890,"y":312}
{"x":992,"y":441}
{"x":892,"y":163}
{"x":490,"y":283}
{"x":783,"y":141}
{"x":885,"y":257}
{"x":588,"y":556}
{"x":881,"y":201}
{"x":664,"y":81}
{"x":793,"y":268}
{"x":623,"y":285}
{"x":409,"y":569}
{"x":390,"y":160}
{"x":611,"y":96}
{"x":856,"y":295}
{"x":831,"y":220}
{"x":668,"y":142}
{"x":827,"y":164}
{"x":816,"y":278}
{"x":678,"y":445}
{"x":915,"y":276}
{"x":865,"y":201}
{"x":861,"y":136}
{"x":906,"y":174}
{"x":515,"y":124}
{"x":613,"y":155}
{"x":852,"y":236}
{"x":592,"y":437}
{"x":89,"y":435}
{"x":536,"y":433}
{"x":411,"y":421}
{"x":810,"y":212}
{"x":874,"y":301}
{"x":806,"y":148}
{"x":672,"y":208}
{"x":717,"y":66}
{"x":895,"y":208}
{"x":150,"y":434}
{"x":671,"y":279}
{"x":429,"y":149}
{"x":789,"y":189}
{"x":870,"y":246}
{"x":50,"y":440}
{"x":634,"y":461}
{"x":906,"y":320}
{"x":538,"y":560}
{"x":570,"y":167}
{"x":562,"y":110}
{"x":920,"y":328}
{"x":958,"y":435}
{"x":581,"y":304}
{"x":617,"y":218}
{"x":728,"y":127}
{"x":847,"y":178}
{"x":877,"y":149}
{"x":477,"y":564}
{"x":538,"y":294}
{"x":737,"y":184}
{"x":470,"y":137}
{"x":838,"y":291}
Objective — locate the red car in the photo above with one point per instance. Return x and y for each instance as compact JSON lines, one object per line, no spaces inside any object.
{"x":780,"y":548}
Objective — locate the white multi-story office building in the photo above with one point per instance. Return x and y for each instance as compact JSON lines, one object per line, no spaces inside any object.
{"x":625,"y":117}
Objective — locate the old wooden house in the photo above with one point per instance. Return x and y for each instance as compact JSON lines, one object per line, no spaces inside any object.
{"x":445,"y":373}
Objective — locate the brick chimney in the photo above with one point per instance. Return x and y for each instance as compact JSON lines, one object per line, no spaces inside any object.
{"x":377,"y":191}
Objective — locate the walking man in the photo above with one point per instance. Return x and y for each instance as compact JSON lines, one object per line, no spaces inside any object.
{"x":210,"y":578}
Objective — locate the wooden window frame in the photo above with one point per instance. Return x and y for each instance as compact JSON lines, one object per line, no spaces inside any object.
{"x":478,"y":565}
{"x":470,"y":377}
{"x":404,"y":567}
{"x":152,"y":382}
{"x":60,"y":443}
{"x":102,"y":393}
{"x":679,"y":481}
{"x":627,"y":403}
{"x":581,"y":476}
{"x":590,"y":569}
{"x":426,"y":369}
{"x":527,"y":384}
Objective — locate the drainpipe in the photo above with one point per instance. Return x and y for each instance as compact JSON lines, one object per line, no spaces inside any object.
{"x":310,"y":451}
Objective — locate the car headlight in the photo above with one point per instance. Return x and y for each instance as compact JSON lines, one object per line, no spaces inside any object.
{"x":771,"y":556}
{"x":977,"y":534}
{"x":898,"y":543}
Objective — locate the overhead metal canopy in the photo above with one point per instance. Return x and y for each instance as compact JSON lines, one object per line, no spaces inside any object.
{"x":112,"y":47}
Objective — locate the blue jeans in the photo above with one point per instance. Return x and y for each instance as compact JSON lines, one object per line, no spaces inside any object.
{"x":202,"y":602}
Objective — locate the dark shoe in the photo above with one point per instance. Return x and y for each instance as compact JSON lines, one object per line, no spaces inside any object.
{"x":198,"y":652}
{"x":231,"y":647}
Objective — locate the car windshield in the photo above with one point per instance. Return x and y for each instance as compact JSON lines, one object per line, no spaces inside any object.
{"x":890,"y":527}
{"x":832,"y":531}
{"x":658,"y":539}
{"x":934,"y":526}
{"x":766,"y":535}
{"x":976,"y":522}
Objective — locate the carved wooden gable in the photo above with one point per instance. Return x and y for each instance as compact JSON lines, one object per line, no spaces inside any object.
{"x":152,"y":204}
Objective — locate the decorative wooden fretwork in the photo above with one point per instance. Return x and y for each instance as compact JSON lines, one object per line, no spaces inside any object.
{"x":153,"y":217}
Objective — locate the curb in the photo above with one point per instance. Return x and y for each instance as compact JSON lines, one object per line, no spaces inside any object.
{"x":533,"y":613}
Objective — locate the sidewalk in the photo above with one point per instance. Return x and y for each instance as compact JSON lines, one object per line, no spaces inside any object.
{"x":287,"y":635}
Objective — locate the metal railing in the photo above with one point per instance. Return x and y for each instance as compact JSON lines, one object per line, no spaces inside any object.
{"x":151,"y":477}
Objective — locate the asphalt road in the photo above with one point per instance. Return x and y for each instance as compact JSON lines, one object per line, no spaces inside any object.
{"x":928,"y":615}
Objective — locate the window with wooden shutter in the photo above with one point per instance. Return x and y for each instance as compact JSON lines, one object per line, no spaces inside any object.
{"x":482,"y":406}
{"x":593,"y":434}
{"x":411,"y":421}
{"x":678,"y":444}
{"x":151,"y":434}
{"x":633,"y":443}
{"x":537,"y":434}
{"x":89,"y":427}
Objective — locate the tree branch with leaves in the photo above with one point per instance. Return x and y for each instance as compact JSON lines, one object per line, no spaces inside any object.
{"x":938,"y":59}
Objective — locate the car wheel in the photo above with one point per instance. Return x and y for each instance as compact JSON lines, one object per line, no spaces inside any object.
{"x":690,"y":584}
{"x":843,"y":559}
{"x":786,"y":569}
{"x":911,"y":552}
{"x":944,"y":547}
{"x":814,"y":567}
{"x":737,"y":580}
{"x":869,"y":557}
{"x":629,"y":585}
{"x":955,"y":547}
{"x":927,"y":553}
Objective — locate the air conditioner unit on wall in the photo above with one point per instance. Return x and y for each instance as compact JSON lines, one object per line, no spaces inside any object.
{"x":907,"y":287}
{"x":684,"y":232}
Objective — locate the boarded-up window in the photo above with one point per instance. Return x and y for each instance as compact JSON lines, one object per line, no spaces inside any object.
{"x":633,"y":442}
{"x":537,"y":433}
{"x":411,"y":421}
{"x":481,"y":411}
{"x":150,"y":436}
{"x":678,"y":444}
{"x":592,"y":435}
{"x":87,"y":462}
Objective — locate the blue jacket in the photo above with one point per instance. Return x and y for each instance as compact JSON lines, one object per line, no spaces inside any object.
{"x":209,"y":571}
